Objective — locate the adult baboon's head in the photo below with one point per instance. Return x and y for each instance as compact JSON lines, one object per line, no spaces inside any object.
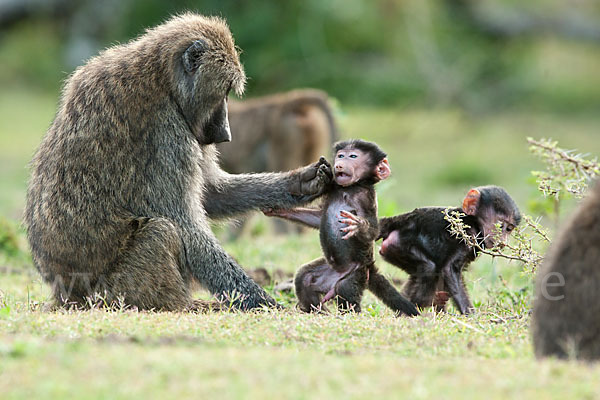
{"x":205,"y":66}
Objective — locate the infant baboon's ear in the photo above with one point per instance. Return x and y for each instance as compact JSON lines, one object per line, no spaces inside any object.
{"x":191,"y":57}
{"x":471,"y":202}
{"x":383,"y":170}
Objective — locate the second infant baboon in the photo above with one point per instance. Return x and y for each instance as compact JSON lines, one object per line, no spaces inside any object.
{"x":278,"y":132}
{"x":126,"y":179}
{"x":419,"y":243}
{"x":347,"y":223}
{"x":566,"y":310}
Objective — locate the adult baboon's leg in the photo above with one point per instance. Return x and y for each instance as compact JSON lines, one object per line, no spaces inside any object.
{"x":147,"y":274}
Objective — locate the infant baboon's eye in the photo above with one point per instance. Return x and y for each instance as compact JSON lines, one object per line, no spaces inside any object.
{"x":353,"y":156}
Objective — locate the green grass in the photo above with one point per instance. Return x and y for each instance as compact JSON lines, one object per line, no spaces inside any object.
{"x":195,"y":369}
{"x":435,"y":157}
{"x":283,"y":354}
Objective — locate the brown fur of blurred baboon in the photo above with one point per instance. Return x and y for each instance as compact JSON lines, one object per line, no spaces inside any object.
{"x":276,"y":133}
{"x":566,"y":310}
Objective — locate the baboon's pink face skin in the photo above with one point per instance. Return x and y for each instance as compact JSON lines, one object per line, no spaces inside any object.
{"x":352,"y":165}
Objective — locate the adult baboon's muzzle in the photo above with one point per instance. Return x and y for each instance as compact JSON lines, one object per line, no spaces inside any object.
{"x":224,"y":134}
{"x":217,"y":129}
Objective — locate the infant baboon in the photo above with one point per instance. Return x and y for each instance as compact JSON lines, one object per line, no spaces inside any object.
{"x":126,"y":179}
{"x":419,"y":243}
{"x":276,"y":133}
{"x":347,"y":224}
{"x":566,"y":309}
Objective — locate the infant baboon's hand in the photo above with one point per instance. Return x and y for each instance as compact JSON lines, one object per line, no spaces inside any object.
{"x":312,"y":180}
{"x":353,"y":224}
{"x":271,"y":212}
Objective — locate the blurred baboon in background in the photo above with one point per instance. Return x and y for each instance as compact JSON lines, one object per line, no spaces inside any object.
{"x":566,"y":310}
{"x":126,"y":179}
{"x":277,"y":133}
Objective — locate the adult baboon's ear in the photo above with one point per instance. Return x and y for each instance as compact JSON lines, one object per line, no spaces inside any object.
{"x":471,"y":202}
{"x":191,"y":57}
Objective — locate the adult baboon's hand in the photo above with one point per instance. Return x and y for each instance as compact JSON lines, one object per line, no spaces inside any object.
{"x":312,"y":180}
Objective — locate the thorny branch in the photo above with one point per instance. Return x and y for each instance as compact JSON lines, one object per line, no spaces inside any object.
{"x":565,"y":170}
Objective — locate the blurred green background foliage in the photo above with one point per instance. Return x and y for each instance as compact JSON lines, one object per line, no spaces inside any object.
{"x":477,"y":55}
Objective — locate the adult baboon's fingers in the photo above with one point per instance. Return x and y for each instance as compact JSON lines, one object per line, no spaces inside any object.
{"x":312,"y":180}
{"x":324,"y":176}
{"x":323,"y":161}
{"x":326,"y":172}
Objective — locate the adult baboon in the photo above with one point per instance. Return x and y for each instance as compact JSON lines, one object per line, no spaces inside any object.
{"x":566,"y":310}
{"x":126,"y":178}
{"x":279,"y":132}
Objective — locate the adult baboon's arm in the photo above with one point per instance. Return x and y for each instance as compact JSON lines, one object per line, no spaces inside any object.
{"x":219,"y":273}
{"x":231,"y":194}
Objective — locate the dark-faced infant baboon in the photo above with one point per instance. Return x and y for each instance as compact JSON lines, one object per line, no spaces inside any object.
{"x":126,"y":179}
{"x":419,"y":243}
{"x":566,"y":309}
{"x":347,"y":224}
{"x":276,"y":133}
